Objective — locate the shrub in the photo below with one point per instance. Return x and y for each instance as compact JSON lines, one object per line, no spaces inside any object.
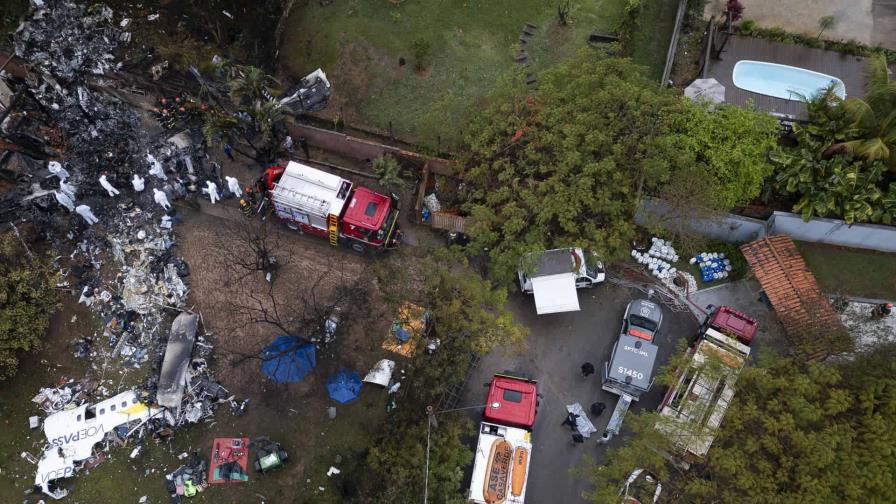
{"x":421,"y":48}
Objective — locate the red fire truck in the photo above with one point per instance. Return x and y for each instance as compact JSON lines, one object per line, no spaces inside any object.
{"x":504,"y":448}
{"x":320,"y":203}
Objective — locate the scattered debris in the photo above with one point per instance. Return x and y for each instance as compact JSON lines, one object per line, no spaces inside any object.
{"x":188,"y":479}
{"x":381,"y":373}
{"x":333,"y":471}
{"x":269,"y":455}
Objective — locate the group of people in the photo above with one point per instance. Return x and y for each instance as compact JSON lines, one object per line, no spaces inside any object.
{"x":597,"y":408}
{"x":65,"y":195}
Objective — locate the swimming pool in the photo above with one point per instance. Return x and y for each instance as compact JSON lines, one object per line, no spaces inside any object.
{"x":782,"y":81}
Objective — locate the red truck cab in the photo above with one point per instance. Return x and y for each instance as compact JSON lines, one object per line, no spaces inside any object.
{"x":732,"y":323}
{"x":511,"y":401}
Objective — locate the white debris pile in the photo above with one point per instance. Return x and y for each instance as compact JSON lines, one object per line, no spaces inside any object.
{"x":655,"y":259}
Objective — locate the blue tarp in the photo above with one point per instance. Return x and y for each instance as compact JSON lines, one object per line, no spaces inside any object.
{"x":344,"y":386}
{"x":287,"y":360}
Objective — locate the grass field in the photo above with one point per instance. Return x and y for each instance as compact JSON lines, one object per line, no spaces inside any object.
{"x":852,"y":272}
{"x":472,"y":44}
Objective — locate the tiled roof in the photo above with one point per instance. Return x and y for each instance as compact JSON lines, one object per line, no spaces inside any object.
{"x":811,"y":323}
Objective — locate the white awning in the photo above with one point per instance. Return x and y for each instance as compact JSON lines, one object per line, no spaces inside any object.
{"x":555,"y":293}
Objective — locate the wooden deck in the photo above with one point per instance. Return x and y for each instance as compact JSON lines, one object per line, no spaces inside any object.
{"x":850,"y":69}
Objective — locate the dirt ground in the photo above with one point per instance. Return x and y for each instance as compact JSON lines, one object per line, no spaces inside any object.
{"x":293,"y":414}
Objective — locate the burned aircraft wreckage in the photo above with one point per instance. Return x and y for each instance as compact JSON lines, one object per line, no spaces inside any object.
{"x":61,"y":133}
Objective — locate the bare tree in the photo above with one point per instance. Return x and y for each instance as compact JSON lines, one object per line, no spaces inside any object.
{"x":249,"y":247}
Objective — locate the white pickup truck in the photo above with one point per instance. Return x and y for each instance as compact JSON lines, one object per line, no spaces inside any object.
{"x":554,"y":275}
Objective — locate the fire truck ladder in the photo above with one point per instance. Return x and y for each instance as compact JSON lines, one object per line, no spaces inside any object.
{"x":333,"y":227}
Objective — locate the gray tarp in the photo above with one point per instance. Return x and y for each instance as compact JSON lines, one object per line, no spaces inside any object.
{"x":172,"y":379}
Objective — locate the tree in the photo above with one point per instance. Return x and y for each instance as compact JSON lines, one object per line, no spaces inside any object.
{"x":28,"y":298}
{"x":249,"y":84}
{"x":468,"y":316}
{"x":388,"y":172}
{"x":825,"y":23}
{"x":797,"y":432}
{"x":570,"y":163}
{"x":872,"y":135}
{"x":827,"y":169}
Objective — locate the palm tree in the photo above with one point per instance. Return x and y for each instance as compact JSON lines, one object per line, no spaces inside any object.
{"x":267,"y":115}
{"x":388,"y":172}
{"x":872,"y":133}
{"x":249,"y":83}
{"x":825,"y":23}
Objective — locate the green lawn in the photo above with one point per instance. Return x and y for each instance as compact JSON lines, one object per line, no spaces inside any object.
{"x":473,"y":43}
{"x":854,"y":272}
{"x":654,"y":34}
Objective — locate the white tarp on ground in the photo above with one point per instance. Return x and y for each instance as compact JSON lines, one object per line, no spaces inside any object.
{"x":381,"y":373}
{"x":555,"y":293}
{"x":583,"y":424}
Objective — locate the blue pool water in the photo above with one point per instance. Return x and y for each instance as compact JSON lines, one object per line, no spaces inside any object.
{"x":782,"y":81}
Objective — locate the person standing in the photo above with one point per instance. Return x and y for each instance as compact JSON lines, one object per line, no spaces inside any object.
{"x":234,"y":185}
{"x":597,"y":408}
{"x":64,"y":200}
{"x":228,"y":151}
{"x":288,"y":144}
{"x":161,"y":199}
{"x":212,"y":190}
{"x":587,"y":369}
{"x":107,"y":186}
{"x":85,"y":212}
{"x":303,"y":143}
{"x":56,"y":168}
{"x":138,"y":183}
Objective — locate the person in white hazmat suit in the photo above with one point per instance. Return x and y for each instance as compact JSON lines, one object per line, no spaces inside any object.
{"x":56,"y":169}
{"x":85,"y":212}
{"x":156,"y":167}
{"x":234,"y":185}
{"x":137,"y":181}
{"x":212,"y":191}
{"x":64,"y":200}
{"x":161,"y":199}
{"x":107,"y":186}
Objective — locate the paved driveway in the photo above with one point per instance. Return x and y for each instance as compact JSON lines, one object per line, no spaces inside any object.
{"x":558,"y":344}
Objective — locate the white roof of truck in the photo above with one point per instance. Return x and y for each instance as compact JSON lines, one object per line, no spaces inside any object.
{"x":311,"y":190}
{"x":488,"y":434}
{"x":694,"y":410}
{"x":555,"y":293}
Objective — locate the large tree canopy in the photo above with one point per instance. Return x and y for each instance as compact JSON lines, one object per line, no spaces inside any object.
{"x":28,"y":297}
{"x":795,"y":432}
{"x":568,"y":164}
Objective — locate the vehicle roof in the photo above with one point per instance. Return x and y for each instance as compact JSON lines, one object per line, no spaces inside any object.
{"x":499,"y":410}
{"x":646,"y":309}
{"x":311,"y":190}
{"x":738,"y":324}
{"x":367,"y":208}
{"x":554,"y":262}
{"x":518,"y":438}
{"x":637,"y":355}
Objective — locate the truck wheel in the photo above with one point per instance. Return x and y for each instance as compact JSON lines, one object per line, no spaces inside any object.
{"x":359,"y":248}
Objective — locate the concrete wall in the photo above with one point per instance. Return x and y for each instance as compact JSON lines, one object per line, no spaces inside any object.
{"x":854,"y":17}
{"x":835,"y":232}
{"x":734,"y":228}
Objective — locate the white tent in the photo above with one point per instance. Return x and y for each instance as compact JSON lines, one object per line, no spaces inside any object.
{"x":555,"y":293}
